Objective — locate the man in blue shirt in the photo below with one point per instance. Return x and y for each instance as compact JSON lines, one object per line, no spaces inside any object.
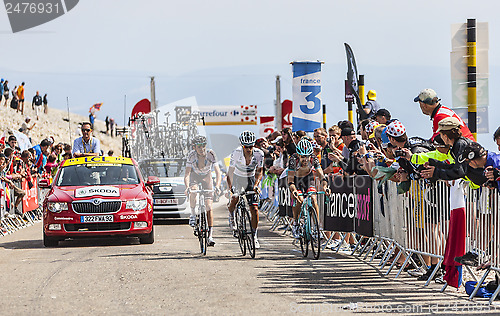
{"x":86,"y":145}
{"x":480,"y":158}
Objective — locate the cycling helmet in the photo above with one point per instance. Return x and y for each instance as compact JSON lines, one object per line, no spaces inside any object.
{"x":304,"y":147}
{"x":199,"y":140}
{"x":247,"y":138}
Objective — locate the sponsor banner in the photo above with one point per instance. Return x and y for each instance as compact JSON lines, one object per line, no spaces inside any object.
{"x":97,"y":160}
{"x":229,"y":114}
{"x":340,"y":208}
{"x":266,"y":125}
{"x":97,"y":190}
{"x":307,"y":106}
{"x":284,"y":198}
{"x":363,"y":186}
{"x":286,"y":114}
{"x":30,"y":200}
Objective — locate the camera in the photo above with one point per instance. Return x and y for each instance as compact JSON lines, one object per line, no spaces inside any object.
{"x":399,"y":153}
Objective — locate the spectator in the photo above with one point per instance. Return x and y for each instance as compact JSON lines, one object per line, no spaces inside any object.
{"x":429,"y":105}
{"x":14,"y":103}
{"x":67,"y":149}
{"x":58,"y":151}
{"x":450,"y":129}
{"x":6,"y":93}
{"x":362,"y":128}
{"x":45,"y":104}
{"x":41,"y":153}
{"x":106,"y":120}
{"x":92,"y":115}
{"x":36,"y":104}
{"x":20,"y":95}
{"x":51,"y":165}
{"x":14,"y":92}
{"x":12,"y":143}
{"x":110,"y":153}
{"x":479,"y":158}
{"x":86,"y":145}
{"x":286,"y":133}
{"x":496,"y":137}
{"x":350,"y":165}
{"x":1,"y":90}
{"x":112,"y":127}
{"x":371,"y":106}
{"x":344,"y":124}
{"x":383,"y":116}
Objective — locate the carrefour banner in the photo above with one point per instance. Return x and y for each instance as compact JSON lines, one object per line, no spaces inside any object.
{"x":228,"y":114}
{"x":307,"y":114}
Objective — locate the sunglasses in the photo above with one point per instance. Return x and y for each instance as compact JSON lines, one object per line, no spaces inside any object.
{"x":86,"y":129}
{"x":201,"y":145}
{"x":248,"y":146}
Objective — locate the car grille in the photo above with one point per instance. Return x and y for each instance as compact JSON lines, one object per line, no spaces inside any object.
{"x":91,"y":208}
{"x":93,"y":227}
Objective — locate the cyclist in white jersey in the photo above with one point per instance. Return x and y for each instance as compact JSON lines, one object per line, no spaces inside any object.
{"x":199,"y":165}
{"x":245,"y":172}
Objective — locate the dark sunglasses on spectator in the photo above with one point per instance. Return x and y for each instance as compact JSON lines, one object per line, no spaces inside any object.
{"x":86,"y":129}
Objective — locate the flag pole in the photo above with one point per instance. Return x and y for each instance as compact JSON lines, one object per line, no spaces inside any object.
{"x":69,"y":121}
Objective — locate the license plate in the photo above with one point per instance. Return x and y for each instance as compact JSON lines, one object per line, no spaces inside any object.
{"x":96,"y":218}
{"x":166,"y":201}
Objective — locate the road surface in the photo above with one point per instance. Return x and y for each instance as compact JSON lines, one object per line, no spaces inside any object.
{"x":122,"y":277}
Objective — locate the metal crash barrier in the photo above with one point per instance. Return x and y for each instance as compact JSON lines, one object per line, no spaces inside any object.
{"x":410,"y":228}
{"x":29,"y":210}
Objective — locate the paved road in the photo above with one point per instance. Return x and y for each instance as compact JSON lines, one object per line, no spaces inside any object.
{"x":117,"y":277}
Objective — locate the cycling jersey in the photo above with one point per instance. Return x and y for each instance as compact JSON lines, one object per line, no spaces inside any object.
{"x":210,"y":161}
{"x":241,"y":169}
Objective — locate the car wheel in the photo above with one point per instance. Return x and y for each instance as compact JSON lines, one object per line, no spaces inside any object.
{"x":50,"y":241}
{"x":149,"y":238}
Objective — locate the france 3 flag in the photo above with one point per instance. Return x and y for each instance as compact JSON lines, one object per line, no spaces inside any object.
{"x":307,"y":114}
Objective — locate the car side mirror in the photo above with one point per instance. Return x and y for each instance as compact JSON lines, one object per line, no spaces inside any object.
{"x":152,"y":180}
{"x":44,"y":183}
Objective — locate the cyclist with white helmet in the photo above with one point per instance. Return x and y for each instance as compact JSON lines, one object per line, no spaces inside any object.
{"x":199,"y":165}
{"x":303,"y":166}
{"x":245,"y":172}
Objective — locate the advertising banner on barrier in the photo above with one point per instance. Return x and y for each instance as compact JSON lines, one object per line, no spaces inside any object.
{"x":30,"y":200}
{"x":284,"y":198}
{"x":364,"y":205}
{"x":229,"y":114}
{"x":307,"y":106}
{"x":340,"y":208}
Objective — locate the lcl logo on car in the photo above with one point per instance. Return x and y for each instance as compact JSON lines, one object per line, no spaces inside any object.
{"x":26,"y":14}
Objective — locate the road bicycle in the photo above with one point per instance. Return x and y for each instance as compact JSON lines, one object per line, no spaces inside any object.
{"x":244,"y":230}
{"x":308,"y":227}
{"x":201,"y":227}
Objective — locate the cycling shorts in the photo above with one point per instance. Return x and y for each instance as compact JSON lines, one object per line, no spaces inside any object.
{"x":206,"y":182}
{"x":246,"y":183}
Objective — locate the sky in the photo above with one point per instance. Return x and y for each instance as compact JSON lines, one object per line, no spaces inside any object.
{"x":229,"y":53}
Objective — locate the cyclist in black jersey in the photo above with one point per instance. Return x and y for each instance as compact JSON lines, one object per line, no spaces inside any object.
{"x":303,"y":167}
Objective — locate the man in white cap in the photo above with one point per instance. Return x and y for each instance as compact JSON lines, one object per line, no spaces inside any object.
{"x":429,"y":104}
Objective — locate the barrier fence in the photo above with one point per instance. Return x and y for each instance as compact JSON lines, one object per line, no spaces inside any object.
{"x":29,"y":211}
{"x":409,"y":229}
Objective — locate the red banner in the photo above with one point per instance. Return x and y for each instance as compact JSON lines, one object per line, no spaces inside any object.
{"x":30,"y":200}
{"x":286,"y":114}
{"x":266,"y":125}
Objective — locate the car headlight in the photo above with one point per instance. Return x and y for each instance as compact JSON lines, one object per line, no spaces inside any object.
{"x":136,"y":205}
{"x":57,"y":207}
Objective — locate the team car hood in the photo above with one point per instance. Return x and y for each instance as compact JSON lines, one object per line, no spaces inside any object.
{"x":122,"y":192}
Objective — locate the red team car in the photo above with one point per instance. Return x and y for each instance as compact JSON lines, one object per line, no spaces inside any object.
{"x":98,"y":196}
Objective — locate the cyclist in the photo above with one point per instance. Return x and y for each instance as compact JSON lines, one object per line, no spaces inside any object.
{"x":199,"y":165}
{"x":303,"y":166}
{"x":245,"y":171}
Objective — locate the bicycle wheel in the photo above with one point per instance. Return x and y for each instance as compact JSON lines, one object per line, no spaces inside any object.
{"x":239,"y":222}
{"x":303,"y":234}
{"x":314,"y":233}
{"x":203,"y":233}
{"x":249,"y":234}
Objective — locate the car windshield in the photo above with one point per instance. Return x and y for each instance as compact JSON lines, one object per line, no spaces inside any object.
{"x":168,"y":168}
{"x":97,"y":174}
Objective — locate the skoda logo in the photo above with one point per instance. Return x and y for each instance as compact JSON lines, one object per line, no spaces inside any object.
{"x":96,"y":201}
